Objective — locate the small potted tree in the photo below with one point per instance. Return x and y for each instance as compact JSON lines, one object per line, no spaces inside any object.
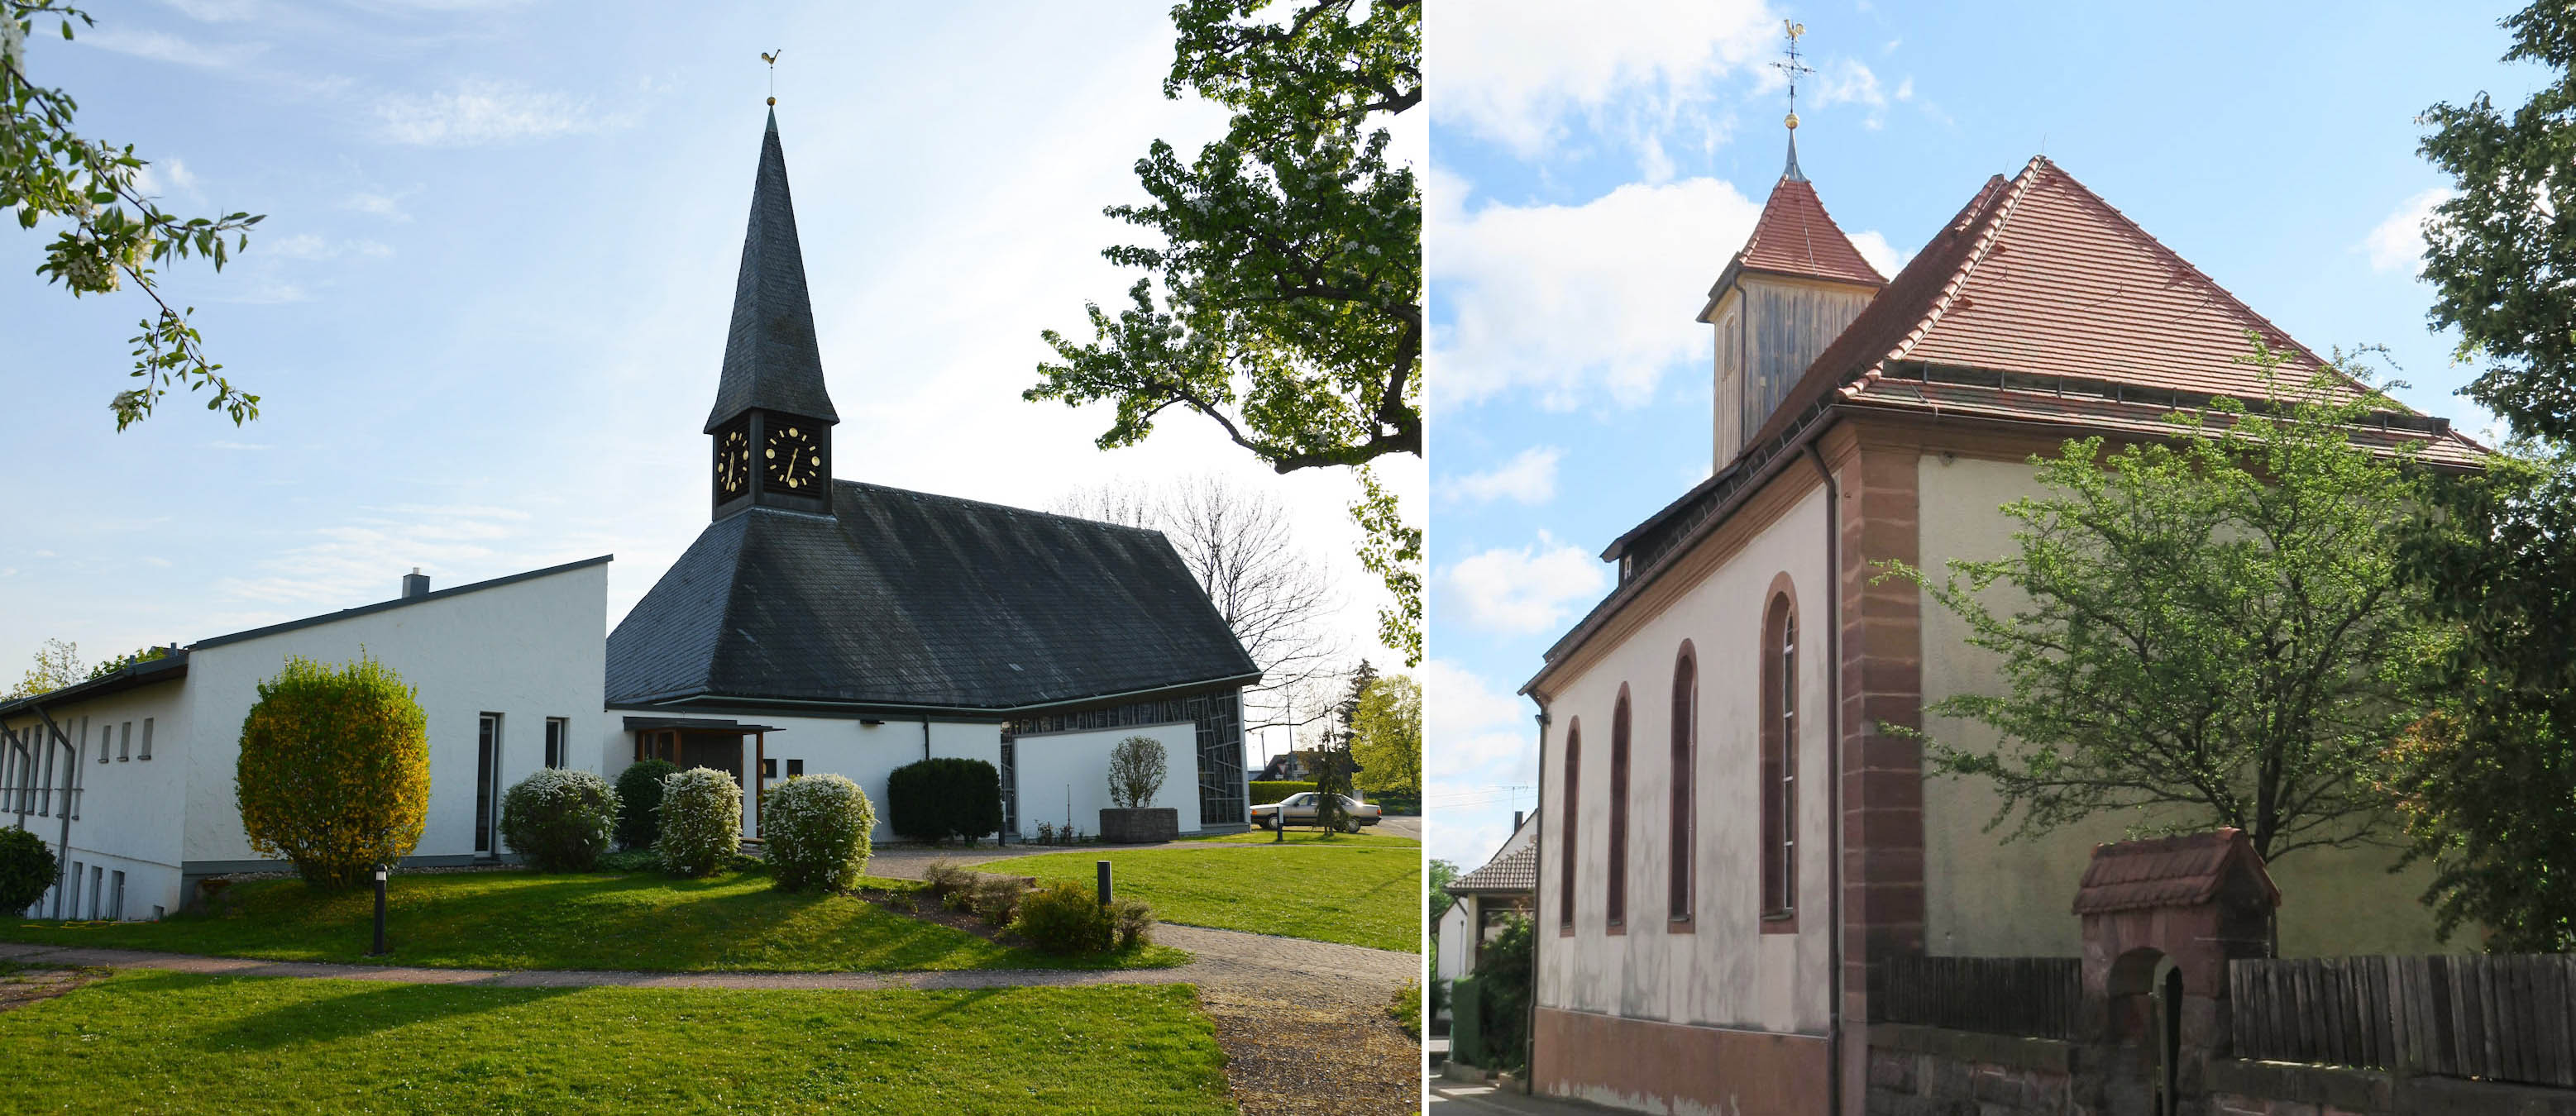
{"x":1136,"y":768}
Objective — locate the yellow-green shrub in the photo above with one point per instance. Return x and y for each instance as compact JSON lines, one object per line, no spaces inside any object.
{"x":334,"y":770}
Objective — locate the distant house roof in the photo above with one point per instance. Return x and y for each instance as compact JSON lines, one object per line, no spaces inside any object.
{"x":906,"y":599}
{"x":2170,"y":872}
{"x":1514,"y":872}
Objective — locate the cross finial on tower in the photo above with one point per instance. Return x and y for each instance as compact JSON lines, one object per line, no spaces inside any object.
{"x":1793,"y":66}
{"x":772,"y":58}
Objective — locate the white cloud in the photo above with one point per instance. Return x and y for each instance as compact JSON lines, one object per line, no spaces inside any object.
{"x":161,"y":46}
{"x":307,"y":246}
{"x":166,"y":174}
{"x":1524,"y":591}
{"x":1528,"y":478}
{"x":386,"y":206}
{"x":484,"y":110}
{"x":218,"y":11}
{"x":1873,"y":247}
{"x":2398,"y":242}
{"x":1511,"y":70}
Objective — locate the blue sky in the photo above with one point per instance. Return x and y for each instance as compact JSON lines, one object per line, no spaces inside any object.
{"x":488,"y":304}
{"x":1594,"y":167}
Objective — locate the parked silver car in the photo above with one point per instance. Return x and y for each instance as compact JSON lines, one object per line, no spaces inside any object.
{"x":1300,"y":809}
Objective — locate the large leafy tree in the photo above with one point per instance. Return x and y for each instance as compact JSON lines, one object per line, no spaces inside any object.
{"x":1386,"y":736}
{"x":2501,"y":253}
{"x":1283,"y":302}
{"x":110,"y":233}
{"x":2212,"y":630}
{"x":2488,"y":785}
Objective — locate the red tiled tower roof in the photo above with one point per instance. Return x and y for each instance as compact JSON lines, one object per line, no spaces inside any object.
{"x":2040,"y":300}
{"x":1795,"y":236}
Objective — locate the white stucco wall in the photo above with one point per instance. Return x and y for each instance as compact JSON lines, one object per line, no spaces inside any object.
{"x":1454,"y":950}
{"x":846,"y":746}
{"x":1066,"y":775}
{"x":1725,"y":971}
{"x":527,"y":650}
{"x":129,"y":816}
{"x":1985,"y":896}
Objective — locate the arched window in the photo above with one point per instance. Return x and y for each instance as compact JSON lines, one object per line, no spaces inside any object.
{"x":1685,"y":777}
{"x":1779,"y":738}
{"x":1567,"y":813}
{"x":1616,"y":898}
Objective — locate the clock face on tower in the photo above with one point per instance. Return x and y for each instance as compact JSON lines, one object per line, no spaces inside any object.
{"x":793,"y":459}
{"x":733,"y":462}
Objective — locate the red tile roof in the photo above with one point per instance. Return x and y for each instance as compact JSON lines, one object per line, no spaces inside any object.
{"x":2040,"y":277}
{"x":2169,"y":872}
{"x":1797,"y":237}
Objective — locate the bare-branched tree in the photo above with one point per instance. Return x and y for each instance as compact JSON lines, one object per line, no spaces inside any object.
{"x":1242,"y":546}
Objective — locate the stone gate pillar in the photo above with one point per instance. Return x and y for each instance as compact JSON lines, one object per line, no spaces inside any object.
{"x":2197,"y":901}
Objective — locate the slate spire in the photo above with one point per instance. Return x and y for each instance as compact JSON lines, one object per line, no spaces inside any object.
{"x":771,"y":360}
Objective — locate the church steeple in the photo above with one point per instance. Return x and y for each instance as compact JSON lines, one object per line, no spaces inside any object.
{"x":772,"y":420}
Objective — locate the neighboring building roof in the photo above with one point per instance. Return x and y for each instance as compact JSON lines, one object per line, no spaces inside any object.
{"x":771,"y":359}
{"x":906,"y":599}
{"x":1795,"y":236}
{"x":1514,"y":871}
{"x":170,"y":667}
{"x":2170,"y":872}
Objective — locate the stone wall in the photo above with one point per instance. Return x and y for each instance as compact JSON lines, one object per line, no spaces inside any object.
{"x":2238,"y":1088}
{"x":1929,"y":1071}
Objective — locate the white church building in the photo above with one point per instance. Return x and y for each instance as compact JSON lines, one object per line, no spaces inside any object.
{"x":817,"y":625}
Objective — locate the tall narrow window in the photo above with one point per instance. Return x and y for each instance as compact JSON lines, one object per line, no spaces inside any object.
{"x":1780,"y":763}
{"x":147,"y":739}
{"x":1566,"y":807}
{"x":558,"y":732}
{"x":1615,"y":897}
{"x":487,"y":773}
{"x":125,"y":742}
{"x":1684,"y":819}
{"x":106,"y":736}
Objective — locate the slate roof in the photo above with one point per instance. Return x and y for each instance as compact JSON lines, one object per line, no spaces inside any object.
{"x":908,"y":599}
{"x":771,"y":359}
{"x":2169,"y":872}
{"x":1514,"y":872}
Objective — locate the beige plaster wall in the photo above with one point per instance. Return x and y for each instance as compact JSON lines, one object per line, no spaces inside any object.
{"x":1724,"y":971}
{"x":1986,"y":896}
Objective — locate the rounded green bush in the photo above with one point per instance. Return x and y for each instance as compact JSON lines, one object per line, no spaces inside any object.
{"x":817,"y":827}
{"x":701,"y":818}
{"x":639,"y":802}
{"x":944,"y":799}
{"x":1065,"y":917}
{"x":27,"y":869}
{"x":559,"y":819}
{"x":333,"y":772}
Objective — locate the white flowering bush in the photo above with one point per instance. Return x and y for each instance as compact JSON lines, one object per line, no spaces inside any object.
{"x":701,"y":821}
{"x":559,"y":820}
{"x":817,"y":827}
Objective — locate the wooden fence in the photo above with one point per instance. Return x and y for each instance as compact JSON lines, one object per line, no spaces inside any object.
{"x":2036,"y":997}
{"x":2504,"y":1017}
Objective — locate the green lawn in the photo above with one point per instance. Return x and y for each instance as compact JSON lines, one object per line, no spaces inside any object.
{"x":1335,"y":891}
{"x":1296,"y":836}
{"x":524,"y":920}
{"x":145,"y":1041}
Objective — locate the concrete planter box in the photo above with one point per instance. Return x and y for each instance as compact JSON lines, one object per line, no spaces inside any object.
{"x":1141,"y":826}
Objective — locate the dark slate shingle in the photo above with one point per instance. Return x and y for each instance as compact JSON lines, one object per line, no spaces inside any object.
{"x":771,"y":358}
{"x":908,"y":598}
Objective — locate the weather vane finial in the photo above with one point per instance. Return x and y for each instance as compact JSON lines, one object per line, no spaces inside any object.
{"x":1792,"y":67}
{"x":772,"y":58}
